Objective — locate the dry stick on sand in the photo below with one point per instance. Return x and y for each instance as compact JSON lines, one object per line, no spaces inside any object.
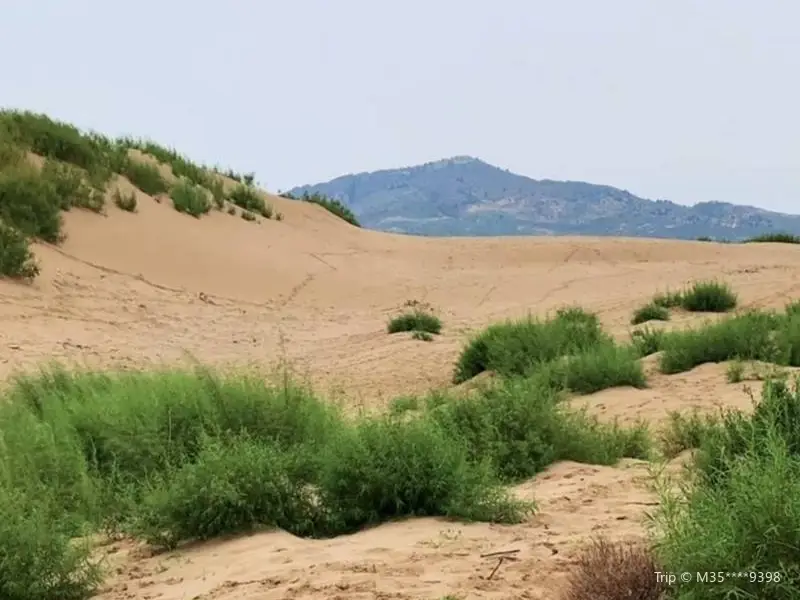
{"x":501,"y":555}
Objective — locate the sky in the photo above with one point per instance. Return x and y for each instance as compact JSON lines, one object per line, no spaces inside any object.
{"x":676,"y":99}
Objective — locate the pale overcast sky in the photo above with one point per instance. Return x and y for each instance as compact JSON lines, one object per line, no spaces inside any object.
{"x":686,"y":100}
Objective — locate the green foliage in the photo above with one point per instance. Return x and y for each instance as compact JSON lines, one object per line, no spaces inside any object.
{"x":416,"y":320}
{"x":249,"y":199}
{"x":125,"y":201}
{"x":72,"y":186}
{"x":181,"y":455}
{"x":743,"y":505}
{"x":750,"y":336}
{"x":53,"y":139}
{"x":248,"y":216}
{"x":776,"y":238}
{"x":30,"y":203}
{"x":647,"y":341}
{"x":333,"y":206}
{"x":16,"y":259}
{"x":190,"y":198}
{"x":650,"y":312}
{"x":517,"y":347}
{"x":182,"y":167}
{"x":709,"y":296}
{"x":146,"y":177}
{"x":422,"y":336}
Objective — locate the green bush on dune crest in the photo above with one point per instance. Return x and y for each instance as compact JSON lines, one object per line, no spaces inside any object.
{"x":180,"y":455}
{"x":76,"y":173}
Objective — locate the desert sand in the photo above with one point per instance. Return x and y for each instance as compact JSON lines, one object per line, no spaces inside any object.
{"x":129,"y":290}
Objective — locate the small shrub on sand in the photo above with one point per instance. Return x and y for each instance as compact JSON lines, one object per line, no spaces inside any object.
{"x":146,"y":177}
{"x":516,"y":347}
{"x":422,"y":336}
{"x":749,"y":336}
{"x":384,"y":468}
{"x":30,"y":203}
{"x":335,"y":207}
{"x":615,"y":571}
{"x":605,"y":366}
{"x":647,"y":341}
{"x":249,"y":485}
{"x":248,"y":216}
{"x":701,"y":296}
{"x":190,"y":198}
{"x":16,"y":259}
{"x":521,"y":427}
{"x":415,"y":320}
{"x":686,"y":431}
{"x":249,"y":199}
{"x":72,"y":187}
{"x":709,"y":296}
{"x":668,"y":299}
{"x":125,"y":201}
{"x":650,"y":312}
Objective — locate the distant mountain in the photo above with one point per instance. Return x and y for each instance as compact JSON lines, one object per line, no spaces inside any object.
{"x":466,"y":196}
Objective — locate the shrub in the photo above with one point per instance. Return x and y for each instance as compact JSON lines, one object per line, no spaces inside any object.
{"x":181,"y":166}
{"x":750,"y":336}
{"x":232,"y":487}
{"x":777,"y":238}
{"x":752,"y":523}
{"x":709,"y":296}
{"x":686,"y":431}
{"x":604,"y":366}
{"x":416,"y":320}
{"x":190,"y":199}
{"x":650,"y":312}
{"x":217,"y":189}
{"x":422,"y":336}
{"x":647,"y":341}
{"x":249,"y":199}
{"x":668,"y":299}
{"x":384,"y":468}
{"x":72,"y":187}
{"x":16,"y":258}
{"x":126,"y":202}
{"x":742,"y":506}
{"x":335,"y":207}
{"x":615,"y":571}
{"x":146,"y":177}
{"x":520,"y":428}
{"x":516,"y":347}
{"x":248,"y":216}
{"x":37,"y":557}
{"x":54,"y":139}
{"x":30,"y":203}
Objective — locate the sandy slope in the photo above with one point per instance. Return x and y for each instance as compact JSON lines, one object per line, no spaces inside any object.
{"x":136,"y":289}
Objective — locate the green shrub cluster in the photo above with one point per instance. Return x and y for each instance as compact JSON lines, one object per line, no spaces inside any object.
{"x":336,"y":207}
{"x":173,"y":456}
{"x":190,"y":198}
{"x":701,"y":296}
{"x":418,"y":320}
{"x":741,"y":506}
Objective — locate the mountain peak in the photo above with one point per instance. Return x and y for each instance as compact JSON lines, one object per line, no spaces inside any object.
{"x":462,"y":195}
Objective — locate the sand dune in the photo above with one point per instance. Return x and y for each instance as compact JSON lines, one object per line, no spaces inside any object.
{"x":134,"y":289}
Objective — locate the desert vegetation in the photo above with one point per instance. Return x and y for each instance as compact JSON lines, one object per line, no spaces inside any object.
{"x":177,"y":455}
{"x":47,"y":167}
{"x":337,"y":207}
